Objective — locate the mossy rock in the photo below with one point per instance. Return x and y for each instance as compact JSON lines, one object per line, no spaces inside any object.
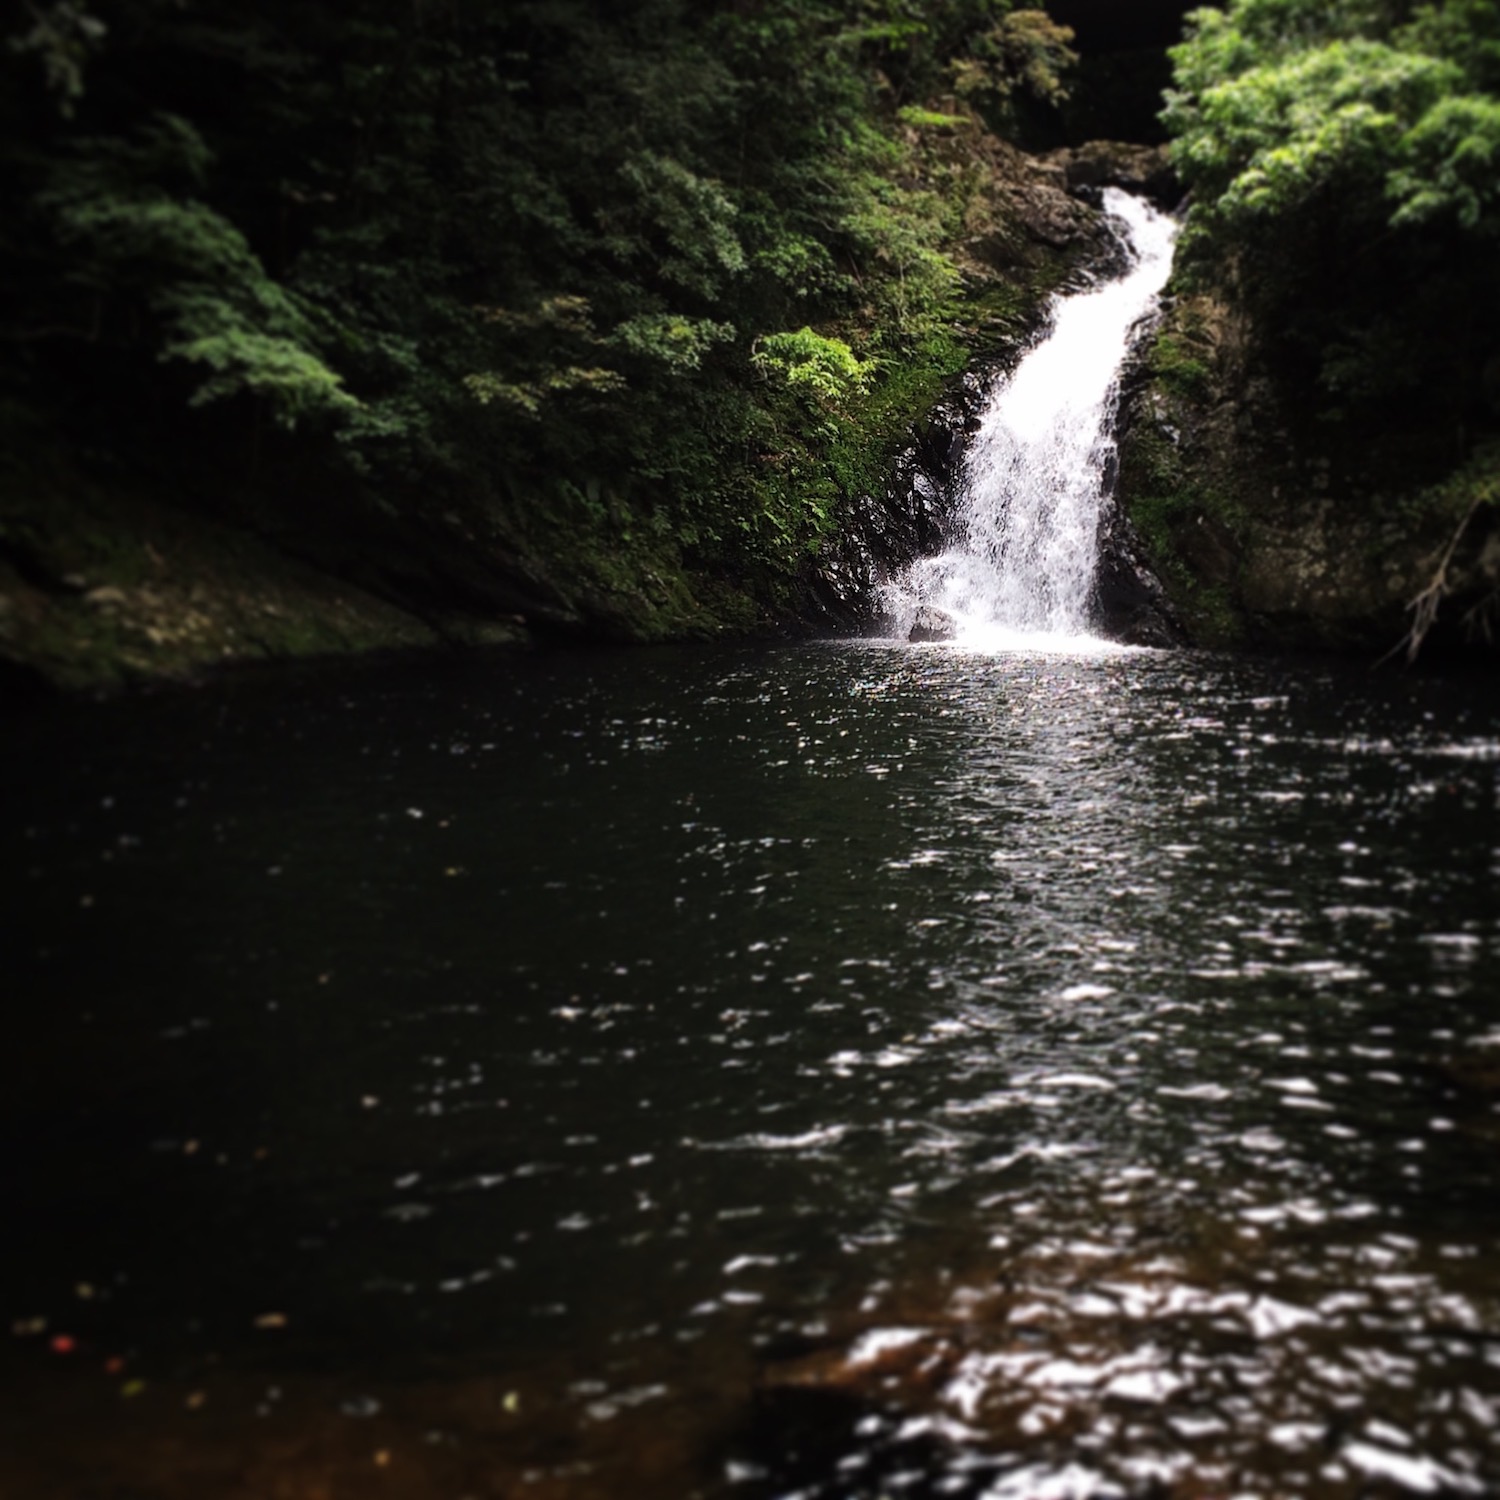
{"x":1270,"y":529}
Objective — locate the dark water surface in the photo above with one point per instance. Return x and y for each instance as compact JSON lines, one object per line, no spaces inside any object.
{"x":844,"y":1071}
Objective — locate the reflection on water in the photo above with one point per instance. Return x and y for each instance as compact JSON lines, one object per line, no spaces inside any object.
{"x":845,"y":1071}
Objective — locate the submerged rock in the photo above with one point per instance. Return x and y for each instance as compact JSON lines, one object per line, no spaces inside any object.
{"x":932,"y":625}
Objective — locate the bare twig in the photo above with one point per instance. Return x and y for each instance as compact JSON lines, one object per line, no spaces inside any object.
{"x":1424,"y":608}
{"x":1480,"y":621}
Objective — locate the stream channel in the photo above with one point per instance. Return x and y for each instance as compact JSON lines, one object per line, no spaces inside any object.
{"x":850,"y":1070}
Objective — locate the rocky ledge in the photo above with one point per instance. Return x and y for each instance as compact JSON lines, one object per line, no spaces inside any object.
{"x":1268,"y":530}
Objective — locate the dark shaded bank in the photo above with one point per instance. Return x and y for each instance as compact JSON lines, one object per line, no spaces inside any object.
{"x":138,"y":566}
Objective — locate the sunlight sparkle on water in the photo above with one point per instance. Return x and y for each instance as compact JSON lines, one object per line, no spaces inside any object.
{"x":1042,"y":1074}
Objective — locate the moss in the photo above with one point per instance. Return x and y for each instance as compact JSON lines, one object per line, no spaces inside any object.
{"x":1473,"y":485}
{"x":1181,"y":369}
{"x":928,"y":119}
{"x":1216,"y":620}
{"x":1182,"y":521}
{"x":635,"y":583}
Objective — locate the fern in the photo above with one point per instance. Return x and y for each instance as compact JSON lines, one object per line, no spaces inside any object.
{"x":131,"y":237}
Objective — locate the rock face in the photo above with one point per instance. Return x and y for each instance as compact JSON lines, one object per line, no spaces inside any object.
{"x":1269,"y":530}
{"x":1122,"y":164}
{"x":932,"y":625}
{"x":884,"y":533}
{"x":1132,"y":604}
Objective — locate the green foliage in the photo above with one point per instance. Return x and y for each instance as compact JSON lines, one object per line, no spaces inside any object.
{"x":1181,"y":368}
{"x":483,"y":254}
{"x":1026,"y":54}
{"x":825,"y":370}
{"x":929,"y":119}
{"x":528,"y":397}
{"x":1275,"y":135}
{"x":1451,"y":165}
{"x":117,"y":207}
{"x":1279,"y":100}
{"x":1464,"y":31}
{"x":681,"y":222}
{"x":673,"y":340}
{"x":63,"y":36}
{"x":556,"y":322}
{"x":800,"y":265}
{"x":1343,"y":158}
{"x":1474,"y":485}
{"x":895,"y":231}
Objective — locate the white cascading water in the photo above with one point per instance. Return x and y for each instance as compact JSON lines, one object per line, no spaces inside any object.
{"x":1022,"y":572}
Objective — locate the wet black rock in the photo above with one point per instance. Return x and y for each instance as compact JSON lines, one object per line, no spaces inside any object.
{"x":884,"y":533}
{"x":1129,"y":598}
{"x":1131,"y":603}
{"x":932,"y":625}
{"x":1145,"y":170}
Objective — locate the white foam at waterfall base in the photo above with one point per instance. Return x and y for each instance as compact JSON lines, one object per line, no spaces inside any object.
{"x":1021,"y":574}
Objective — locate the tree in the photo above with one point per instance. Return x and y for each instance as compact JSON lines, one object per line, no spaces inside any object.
{"x":1344,"y":157}
{"x":551,"y":264}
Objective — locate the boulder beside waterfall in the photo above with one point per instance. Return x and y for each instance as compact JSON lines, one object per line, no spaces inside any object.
{"x":932,"y":625}
{"x":1146,"y":170}
{"x":1130,"y":600}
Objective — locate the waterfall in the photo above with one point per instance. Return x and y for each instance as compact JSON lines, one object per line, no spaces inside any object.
{"x":1033,"y":486}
